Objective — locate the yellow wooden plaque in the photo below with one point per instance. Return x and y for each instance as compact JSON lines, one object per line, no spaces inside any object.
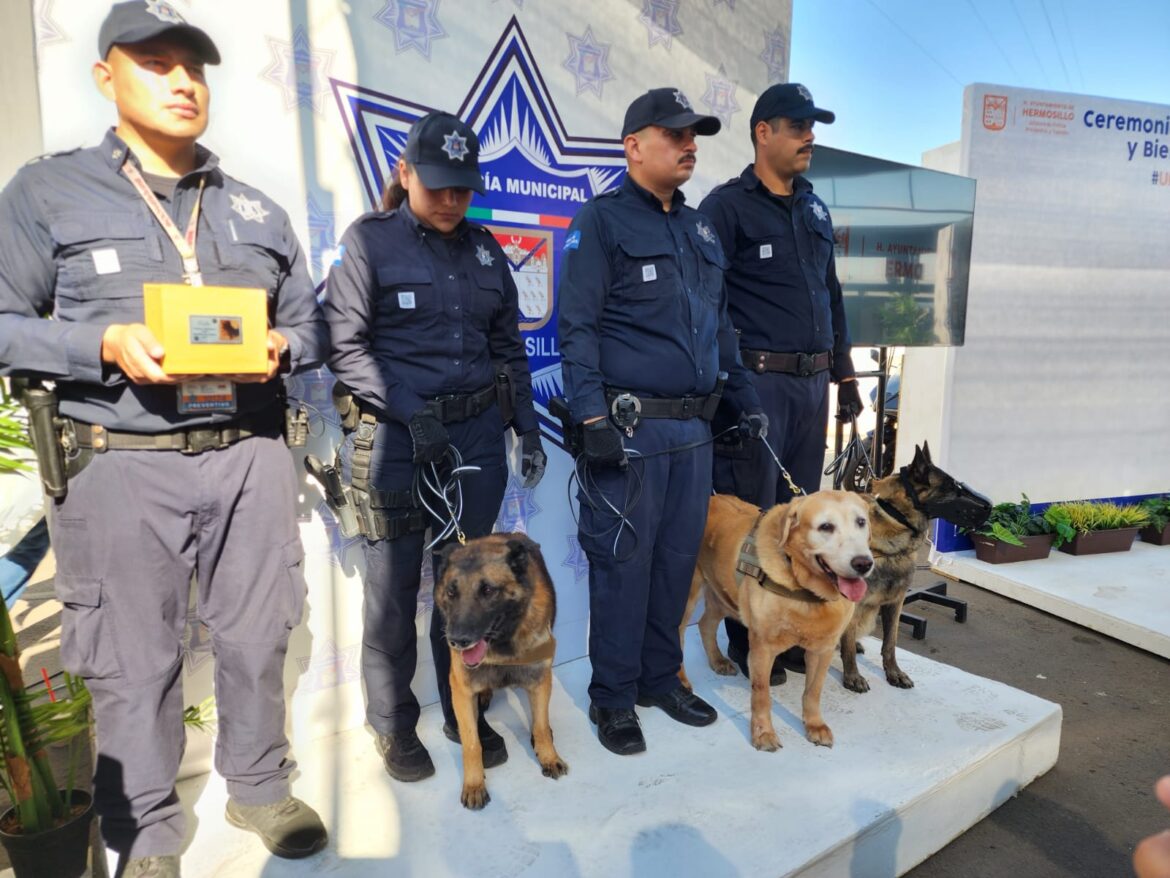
{"x":209,"y":330}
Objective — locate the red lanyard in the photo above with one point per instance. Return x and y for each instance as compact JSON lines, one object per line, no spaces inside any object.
{"x":185,"y":244}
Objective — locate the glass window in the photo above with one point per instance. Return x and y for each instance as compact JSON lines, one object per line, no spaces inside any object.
{"x":903,"y":238}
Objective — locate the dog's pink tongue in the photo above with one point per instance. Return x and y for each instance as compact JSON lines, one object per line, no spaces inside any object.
{"x":853,"y":589}
{"x":473,"y":655}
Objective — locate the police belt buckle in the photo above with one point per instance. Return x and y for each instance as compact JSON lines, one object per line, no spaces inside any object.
{"x":201,"y":440}
{"x":805,"y":365}
{"x":626,"y":411}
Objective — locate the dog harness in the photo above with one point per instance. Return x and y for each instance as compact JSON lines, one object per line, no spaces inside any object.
{"x":748,"y":564}
{"x":543,"y":651}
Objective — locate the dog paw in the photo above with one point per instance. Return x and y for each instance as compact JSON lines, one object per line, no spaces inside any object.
{"x":900,"y":679}
{"x":474,"y":797}
{"x":820,"y":734}
{"x":723,"y":667}
{"x":767,"y":741}
{"x":855,"y":683}
{"x":860,"y":648}
{"x":555,"y":768}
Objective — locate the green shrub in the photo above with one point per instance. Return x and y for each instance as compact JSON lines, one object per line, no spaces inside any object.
{"x":1087,"y":515}
{"x":1158,"y":509}
{"x":1010,"y":522}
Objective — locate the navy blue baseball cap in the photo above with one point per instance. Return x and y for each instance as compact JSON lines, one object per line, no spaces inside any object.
{"x":444,"y":152}
{"x":791,"y":100}
{"x":141,"y":20}
{"x":667,"y":108}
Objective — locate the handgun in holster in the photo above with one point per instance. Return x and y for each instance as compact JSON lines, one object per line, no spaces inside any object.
{"x":572,"y":432}
{"x":337,"y":497}
{"x":52,"y":439}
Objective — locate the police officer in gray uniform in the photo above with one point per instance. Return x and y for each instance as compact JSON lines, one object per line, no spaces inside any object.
{"x":158,"y":490}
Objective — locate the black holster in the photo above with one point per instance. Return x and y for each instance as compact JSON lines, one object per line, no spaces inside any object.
{"x":505,"y":393}
{"x":359,"y":508}
{"x":573,"y":433}
{"x":52,"y":437}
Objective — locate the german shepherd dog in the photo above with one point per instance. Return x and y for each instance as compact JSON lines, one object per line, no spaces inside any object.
{"x":497,"y":598}
{"x":792,"y":575}
{"x":900,"y":508}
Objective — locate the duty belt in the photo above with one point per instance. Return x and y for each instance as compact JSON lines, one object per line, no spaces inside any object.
{"x":194,"y":440}
{"x":456,"y":407}
{"x":681,"y":409}
{"x":803,"y":365}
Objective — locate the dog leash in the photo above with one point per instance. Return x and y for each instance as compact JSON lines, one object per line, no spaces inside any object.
{"x":845,"y":463}
{"x":792,"y":486}
{"x":446,"y":493}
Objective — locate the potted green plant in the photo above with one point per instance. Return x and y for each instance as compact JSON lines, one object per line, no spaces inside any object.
{"x":1158,"y":530}
{"x":1102,"y":526}
{"x":46,"y":831}
{"x":1013,"y":532}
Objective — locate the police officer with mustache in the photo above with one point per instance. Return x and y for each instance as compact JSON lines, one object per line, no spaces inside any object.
{"x":785,"y":301}
{"x":644,"y":338}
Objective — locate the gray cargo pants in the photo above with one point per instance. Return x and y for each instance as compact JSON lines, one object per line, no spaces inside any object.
{"x":133,"y":529}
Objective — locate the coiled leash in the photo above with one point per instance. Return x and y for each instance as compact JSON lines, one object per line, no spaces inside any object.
{"x":853,"y":461}
{"x":442,"y":496}
{"x":589,"y":489}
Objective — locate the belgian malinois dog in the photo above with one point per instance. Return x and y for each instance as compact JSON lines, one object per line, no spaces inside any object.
{"x":497,"y":598}
{"x":792,"y":575}
{"x":900,"y":509}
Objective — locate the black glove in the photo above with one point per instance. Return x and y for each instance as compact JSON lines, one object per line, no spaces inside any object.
{"x":754,"y":425}
{"x":603,"y":444}
{"x":429,"y":437}
{"x":848,"y":401}
{"x":532,"y":459}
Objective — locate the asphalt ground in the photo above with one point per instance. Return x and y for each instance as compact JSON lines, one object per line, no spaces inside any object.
{"x":1086,"y":815}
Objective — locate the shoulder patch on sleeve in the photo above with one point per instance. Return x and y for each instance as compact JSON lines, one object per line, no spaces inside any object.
{"x":573,"y":240}
{"x":51,"y":155}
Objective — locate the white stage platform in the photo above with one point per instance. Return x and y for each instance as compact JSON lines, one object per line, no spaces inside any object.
{"x":910,"y":771}
{"x":1125,"y":595}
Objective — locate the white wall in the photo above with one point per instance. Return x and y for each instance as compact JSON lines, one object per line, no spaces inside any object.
{"x":1059,"y":389}
{"x":19,"y":106}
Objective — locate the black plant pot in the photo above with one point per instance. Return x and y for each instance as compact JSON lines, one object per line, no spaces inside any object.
{"x":60,"y":852}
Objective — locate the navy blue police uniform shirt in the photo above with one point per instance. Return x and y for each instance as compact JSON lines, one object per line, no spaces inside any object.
{"x":78,"y":243}
{"x":642,"y":304}
{"x":782,"y":288}
{"x":414,"y":315}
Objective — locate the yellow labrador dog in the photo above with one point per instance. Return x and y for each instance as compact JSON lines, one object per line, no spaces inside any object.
{"x":793,"y":576}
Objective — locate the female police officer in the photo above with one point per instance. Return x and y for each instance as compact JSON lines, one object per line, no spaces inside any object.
{"x":423,"y":311}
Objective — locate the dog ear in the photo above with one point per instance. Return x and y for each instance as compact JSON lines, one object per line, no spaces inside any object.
{"x":791,"y":519}
{"x":442,"y":559}
{"x":518,"y":557}
{"x":926,"y":451}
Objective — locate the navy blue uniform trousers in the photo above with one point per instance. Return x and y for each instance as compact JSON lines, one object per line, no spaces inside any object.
{"x":637,"y":599}
{"x":394,"y":569}
{"x":134,"y":528}
{"x":798,"y":418}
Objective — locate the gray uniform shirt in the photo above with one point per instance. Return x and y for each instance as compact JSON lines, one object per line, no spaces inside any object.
{"x":78,"y":242}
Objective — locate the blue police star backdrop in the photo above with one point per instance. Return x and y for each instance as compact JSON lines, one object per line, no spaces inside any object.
{"x":536,"y":176}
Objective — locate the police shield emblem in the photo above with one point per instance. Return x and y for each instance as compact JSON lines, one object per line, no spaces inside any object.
{"x":528,"y":252}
